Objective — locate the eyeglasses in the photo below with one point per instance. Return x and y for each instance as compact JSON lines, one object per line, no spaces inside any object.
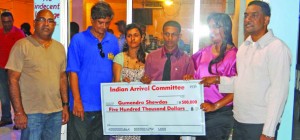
{"x":44,"y":20}
{"x":102,"y":54}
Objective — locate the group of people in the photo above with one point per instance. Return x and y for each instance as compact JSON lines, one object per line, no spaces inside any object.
{"x":251,"y":80}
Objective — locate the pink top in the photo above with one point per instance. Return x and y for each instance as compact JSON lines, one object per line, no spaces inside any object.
{"x":226,"y":67}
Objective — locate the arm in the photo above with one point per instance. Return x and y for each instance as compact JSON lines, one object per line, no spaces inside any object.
{"x":64,"y":97}
{"x":15,"y":96}
{"x":190,"y":70}
{"x":78,"y":107}
{"x":225,"y":83}
{"x":117,"y":72}
{"x":207,"y":81}
{"x":209,"y":107}
{"x":279,"y":63}
{"x":146,"y":79}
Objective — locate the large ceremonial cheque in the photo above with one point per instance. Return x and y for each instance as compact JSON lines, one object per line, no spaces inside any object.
{"x":160,"y":108}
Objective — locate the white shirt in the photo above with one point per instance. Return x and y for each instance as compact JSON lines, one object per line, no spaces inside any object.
{"x":261,"y":87}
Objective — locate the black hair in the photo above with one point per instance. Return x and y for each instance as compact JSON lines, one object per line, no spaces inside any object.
{"x":7,"y":14}
{"x":224,"y":21}
{"x":143,"y":26}
{"x":173,"y":24}
{"x":74,"y":27}
{"x":26,"y":27}
{"x":101,"y":10}
{"x":263,"y":5}
{"x":140,"y":53}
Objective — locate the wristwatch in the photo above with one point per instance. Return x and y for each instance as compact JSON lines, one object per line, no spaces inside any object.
{"x":65,"y":103}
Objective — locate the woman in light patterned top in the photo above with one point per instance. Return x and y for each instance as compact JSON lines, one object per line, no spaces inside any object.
{"x":129,"y":64}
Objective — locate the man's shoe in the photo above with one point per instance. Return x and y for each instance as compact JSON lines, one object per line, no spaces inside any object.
{"x":3,"y":123}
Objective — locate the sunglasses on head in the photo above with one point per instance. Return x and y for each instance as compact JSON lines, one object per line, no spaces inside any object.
{"x":101,"y":50}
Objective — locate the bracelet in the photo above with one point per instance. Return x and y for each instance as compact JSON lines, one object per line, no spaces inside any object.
{"x":18,"y":113}
{"x":217,"y":106}
{"x":65,"y":103}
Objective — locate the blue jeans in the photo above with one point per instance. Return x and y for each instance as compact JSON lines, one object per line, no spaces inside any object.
{"x":43,"y":127}
{"x":4,"y":96}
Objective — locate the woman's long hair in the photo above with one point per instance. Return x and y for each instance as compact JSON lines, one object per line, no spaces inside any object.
{"x":140,"y":53}
{"x":221,"y":20}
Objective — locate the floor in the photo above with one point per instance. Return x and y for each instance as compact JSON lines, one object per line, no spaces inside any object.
{"x":7,"y":133}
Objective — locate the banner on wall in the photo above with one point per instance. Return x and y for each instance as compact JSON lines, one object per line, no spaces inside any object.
{"x":54,"y":6}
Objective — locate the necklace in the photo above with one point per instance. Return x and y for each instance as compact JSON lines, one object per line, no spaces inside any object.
{"x":132,"y":63}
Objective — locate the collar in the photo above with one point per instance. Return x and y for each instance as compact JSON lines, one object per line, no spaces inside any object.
{"x":176,"y":52}
{"x":13,"y":29}
{"x":263,"y":41}
{"x":105,"y":38}
{"x":35,"y":42}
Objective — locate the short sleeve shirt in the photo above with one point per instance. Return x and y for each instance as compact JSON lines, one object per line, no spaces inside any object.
{"x":84,"y":59}
{"x":40,"y":70}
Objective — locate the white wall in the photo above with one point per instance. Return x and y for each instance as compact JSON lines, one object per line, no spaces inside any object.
{"x":284,"y":22}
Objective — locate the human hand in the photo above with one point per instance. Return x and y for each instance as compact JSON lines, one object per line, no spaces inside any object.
{"x":188,"y":77}
{"x":21,"y":120}
{"x":65,"y":115}
{"x":208,"y":107}
{"x":146,"y":79}
{"x":207,"y":81}
{"x":126,"y":79}
{"x":264,"y":137}
{"x":78,"y":109}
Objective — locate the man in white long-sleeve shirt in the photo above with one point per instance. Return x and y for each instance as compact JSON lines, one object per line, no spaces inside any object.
{"x":262,"y":84}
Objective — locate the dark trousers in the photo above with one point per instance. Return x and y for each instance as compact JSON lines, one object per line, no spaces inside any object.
{"x":244,"y":131}
{"x":218,"y":124}
{"x":88,"y":129}
{"x":155,"y":137}
{"x":4,"y":96}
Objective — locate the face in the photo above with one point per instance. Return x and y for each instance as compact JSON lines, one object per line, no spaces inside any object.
{"x":171,"y":36}
{"x":216,"y":32}
{"x":100,"y":26}
{"x":255,"y":22}
{"x":44,"y":24}
{"x":7,"y":23}
{"x":133,"y":38}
